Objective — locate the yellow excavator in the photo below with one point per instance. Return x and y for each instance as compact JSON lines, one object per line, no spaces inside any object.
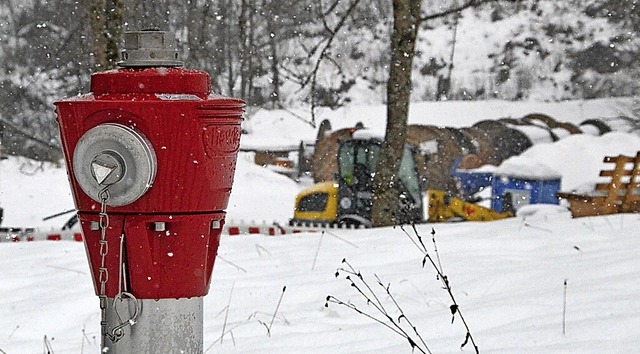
{"x":347,"y":201}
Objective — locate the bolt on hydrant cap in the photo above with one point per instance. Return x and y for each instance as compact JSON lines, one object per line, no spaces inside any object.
{"x":149,"y":48}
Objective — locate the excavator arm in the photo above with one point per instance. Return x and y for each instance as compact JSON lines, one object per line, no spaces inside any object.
{"x":443,"y":207}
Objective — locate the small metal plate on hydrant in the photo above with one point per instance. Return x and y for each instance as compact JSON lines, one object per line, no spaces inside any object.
{"x":116,"y":157}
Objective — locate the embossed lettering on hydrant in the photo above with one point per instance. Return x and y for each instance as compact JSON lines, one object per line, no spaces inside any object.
{"x":221,"y":139}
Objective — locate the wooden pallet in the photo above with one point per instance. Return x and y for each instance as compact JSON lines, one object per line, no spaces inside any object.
{"x":620,"y":195}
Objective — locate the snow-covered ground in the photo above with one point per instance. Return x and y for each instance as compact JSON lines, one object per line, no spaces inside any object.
{"x":508,"y":276}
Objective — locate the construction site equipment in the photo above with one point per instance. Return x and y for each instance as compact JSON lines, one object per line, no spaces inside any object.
{"x":318,"y":203}
{"x":437,"y":148}
{"x":444,"y":207}
{"x":621,"y":194}
{"x":510,"y":193}
{"x":348,"y":199}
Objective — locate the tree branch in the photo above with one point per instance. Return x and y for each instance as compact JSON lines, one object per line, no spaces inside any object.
{"x":323,"y":52}
{"x":26,"y":134}
{"x":312,"y":78}
{"x":466,"y":5}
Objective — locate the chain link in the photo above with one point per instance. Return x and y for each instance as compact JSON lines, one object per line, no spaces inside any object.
{"x":118,"y":331}
{"x":104,"y":272}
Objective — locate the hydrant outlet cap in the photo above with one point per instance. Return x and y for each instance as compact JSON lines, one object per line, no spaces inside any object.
{"x":151,"y":48}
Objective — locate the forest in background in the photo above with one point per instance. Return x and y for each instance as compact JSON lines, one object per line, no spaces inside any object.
{"x":329,"y":53}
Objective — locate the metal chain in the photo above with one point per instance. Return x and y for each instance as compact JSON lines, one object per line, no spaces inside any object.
{"x":104,"y":272}
{"x":118,"y":331}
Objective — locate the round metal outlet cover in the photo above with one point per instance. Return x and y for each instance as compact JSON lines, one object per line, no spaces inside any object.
{"x":115,"y":157}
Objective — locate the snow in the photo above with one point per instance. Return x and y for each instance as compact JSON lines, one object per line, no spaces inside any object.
{"x":31,"y":191}
{"x":278,"y":128}
{"x":263,"y":197}
{"x":579,"y":158}
{"x":365,"y":134}
{"x":507,"y":276}
{"x":526,"y":168}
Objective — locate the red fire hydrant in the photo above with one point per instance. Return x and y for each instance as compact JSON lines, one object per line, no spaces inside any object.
{"x":151,"y":156}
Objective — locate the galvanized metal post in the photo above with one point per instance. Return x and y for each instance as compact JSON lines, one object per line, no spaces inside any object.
{"x":162,"y":326}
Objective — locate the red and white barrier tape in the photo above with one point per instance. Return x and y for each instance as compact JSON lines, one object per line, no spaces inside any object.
{"x":29,"y":235}
{"x":270,"y":230}
{"x":232,"y":229}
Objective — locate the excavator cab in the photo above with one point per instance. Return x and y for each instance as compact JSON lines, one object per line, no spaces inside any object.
{"x":357,"y":161}
{"x":348,"y":199}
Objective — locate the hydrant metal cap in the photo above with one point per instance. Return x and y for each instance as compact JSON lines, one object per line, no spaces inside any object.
{"x":150,"y":48}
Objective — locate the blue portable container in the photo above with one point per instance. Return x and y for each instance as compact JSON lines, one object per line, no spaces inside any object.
{"x":510,"y":193}
{"x":470,"y":182}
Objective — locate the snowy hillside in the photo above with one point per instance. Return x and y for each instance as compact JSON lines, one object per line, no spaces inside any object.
{"x":508,"y":276}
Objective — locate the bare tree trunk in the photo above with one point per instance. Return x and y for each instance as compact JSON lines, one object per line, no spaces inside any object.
{"x":406,"y":22}
{"x":275,"y":72}
{"x":106,"y":29}
{"x":406,"y":14}
{"x":443,"y":91}
{"x":98,"y":20}
{"x":243,"y":34}
{"x":252,"y":52}
{"x":113,"y":32}
{"x":194,"y":22}
{"x":270,"y":16}
{"x":227,"y":11}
